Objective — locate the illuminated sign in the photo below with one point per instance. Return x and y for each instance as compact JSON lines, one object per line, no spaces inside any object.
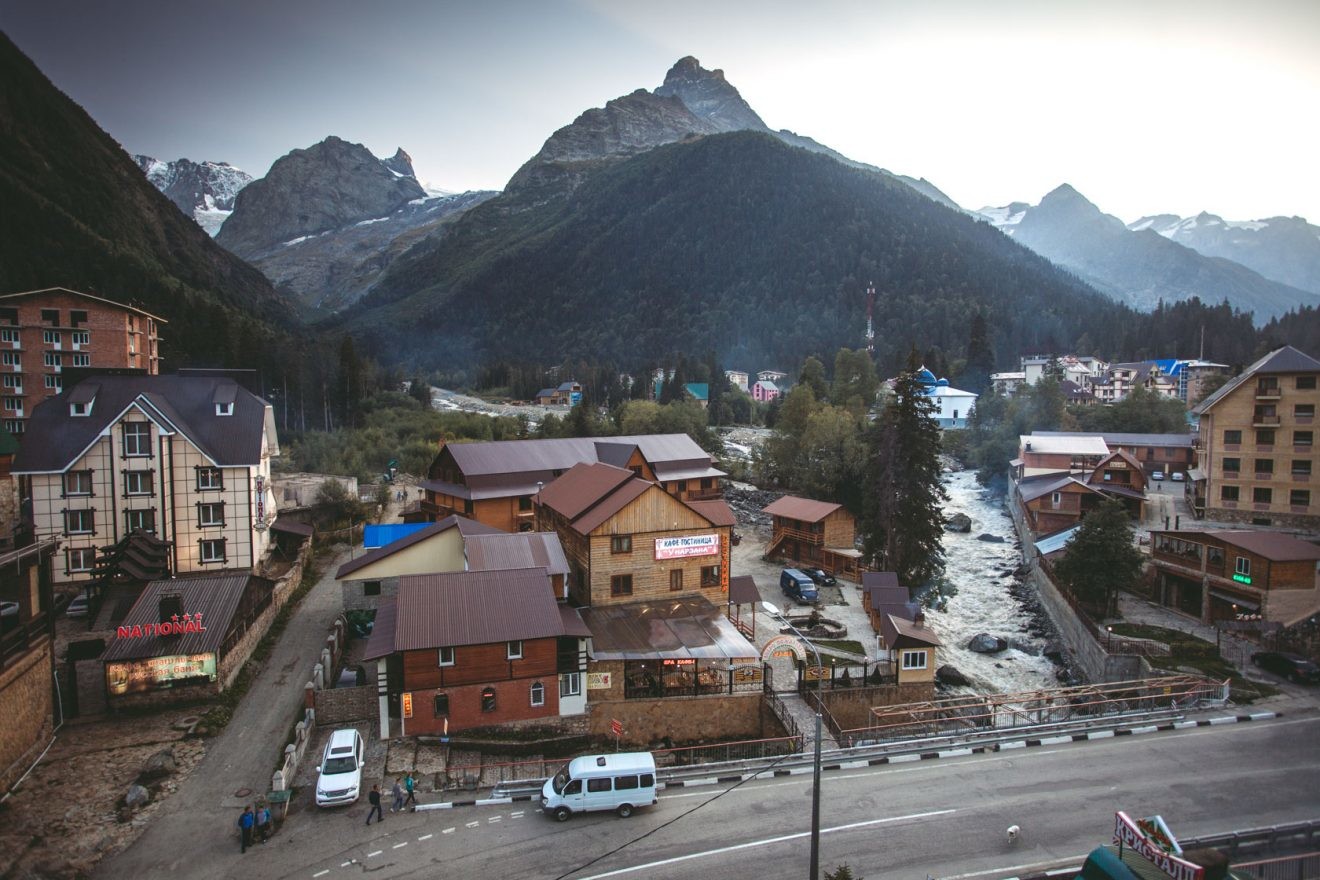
{"x":1156,"y":847}
{"x":687,"y":545}
{"x":175,"y":626}
{"x":407,"y":705}
{"x":135,"y":676}
{"x":1242,"y":578}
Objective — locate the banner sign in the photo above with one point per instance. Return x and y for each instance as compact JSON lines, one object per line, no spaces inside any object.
{"x":687,"y":545}
{"x":1159,"y":852}
{"x":134,"y":676}
{"x":598,"y":681}
{"x":407,"y":704}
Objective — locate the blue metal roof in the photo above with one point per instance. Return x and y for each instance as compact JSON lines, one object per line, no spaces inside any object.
{"x":378,"y":536}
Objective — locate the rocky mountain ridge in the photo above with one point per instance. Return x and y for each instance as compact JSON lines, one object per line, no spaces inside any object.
{"x":205,"y":191}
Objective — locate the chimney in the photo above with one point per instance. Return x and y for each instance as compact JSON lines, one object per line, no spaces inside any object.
{"x":919,"y":619}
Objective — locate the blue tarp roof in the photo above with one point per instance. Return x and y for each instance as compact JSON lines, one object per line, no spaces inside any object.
{"x":1055,"y":542}
{"x":379,"y":536}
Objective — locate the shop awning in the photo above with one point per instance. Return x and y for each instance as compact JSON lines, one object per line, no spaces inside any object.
{"x":689,"y":627}
{"x":1232,"y":599}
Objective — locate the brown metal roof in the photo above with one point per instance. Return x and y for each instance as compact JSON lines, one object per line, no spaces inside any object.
{"x":899,"y":633}
{"x":618,"y":500}
{"x":879,"y":579}
{"x":803,"y":509}
{"x":716,"y":510}
{"x":214,"y":596}
{"x":573,"y":623}
{"x":381,"y":641}
{"x":880,"y":596}
{"x":475,"y":608}
{"x":291,"y":526}
{"x":464,"y":525}
{"x":743,"y":591}
{"x":519,"y":550}
{"x":683,"y":627}
{"x":582,"y":487}
{"x":521,"y":456}
{"x":1274,"y":546}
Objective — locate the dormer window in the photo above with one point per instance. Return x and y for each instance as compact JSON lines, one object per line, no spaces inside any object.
{"x":80,"y":410}
{"x":224,"y":409}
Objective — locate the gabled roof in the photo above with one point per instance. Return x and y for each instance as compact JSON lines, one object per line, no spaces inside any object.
{"x":1122,"y":438}
{"x":501,"y":552}
{"x":1274,"y":546}
{"x":716,"y":510}
{"x":584,"y":486}
{"x":804,"y":509}
{"x":898,"y":632}
{"x":1281,"y":360}
{"x":879,"y":579}
{"x":743,"y":591}
{"x":1123,"y":455}
{"x":215,"y":596}
{"x":464,"y":525}
{"x":177,"y":404}
{"x":1063,"y":444}
{"x":457,"y":608}
{"x":490,"y":457}
{"x":1032,"y":488}
{"x":8,"y":297}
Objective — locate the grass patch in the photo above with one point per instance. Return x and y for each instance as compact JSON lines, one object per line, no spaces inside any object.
{"x":850,"y":646}
{"x":1188,"y":653}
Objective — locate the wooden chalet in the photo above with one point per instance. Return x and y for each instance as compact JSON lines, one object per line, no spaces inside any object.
{"x":819,"y":534}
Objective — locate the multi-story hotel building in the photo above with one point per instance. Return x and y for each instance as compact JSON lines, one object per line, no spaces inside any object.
{"x":43,"y":332}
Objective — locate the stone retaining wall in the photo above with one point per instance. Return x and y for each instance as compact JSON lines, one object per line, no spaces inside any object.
{"x":684,"y":719}
{"x":339,"y":705}
{"x":26,"y":707}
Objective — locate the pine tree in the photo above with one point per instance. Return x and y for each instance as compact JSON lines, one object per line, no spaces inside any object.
{"x":1101,"y":559}
{"x":980,"y":357}
{"x":903,"y":521}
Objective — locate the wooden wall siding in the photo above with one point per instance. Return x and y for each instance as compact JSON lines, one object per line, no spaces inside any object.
{"x":512,"y":703}
{"x":479,"y":664}
{"x":650,"y":575}
{"x":840,"y":529}
{"x":910,"y":676}
{"x":653,"y":511}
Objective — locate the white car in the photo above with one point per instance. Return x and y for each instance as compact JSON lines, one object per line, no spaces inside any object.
{"x":1177,"y":476}
{"x":9,"y":612}
{"x":339,"y":778}
{"x":79,"y":607}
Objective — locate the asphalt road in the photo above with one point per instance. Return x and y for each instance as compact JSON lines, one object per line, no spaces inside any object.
{"x":944,"y":818}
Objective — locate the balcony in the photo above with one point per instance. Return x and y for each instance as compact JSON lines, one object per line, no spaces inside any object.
{"x":1264,"y":421}
{"x":703,"y":494}
{"x":1268,"y":392}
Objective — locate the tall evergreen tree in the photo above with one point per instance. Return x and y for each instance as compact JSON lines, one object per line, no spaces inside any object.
{"x":903,"y":520}
{"x":980,"y":357}
{"x":1101,"y":559}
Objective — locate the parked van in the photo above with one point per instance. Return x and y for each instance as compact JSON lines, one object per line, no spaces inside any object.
{"x":796,"y":585}
{"x":339,"y":778}
{"x":620,"y":782}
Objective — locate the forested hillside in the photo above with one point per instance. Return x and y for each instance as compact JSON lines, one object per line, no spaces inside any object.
{"x":734,"y":243}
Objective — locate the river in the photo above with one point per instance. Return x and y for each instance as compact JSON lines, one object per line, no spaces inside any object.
{"x":983,"y":601}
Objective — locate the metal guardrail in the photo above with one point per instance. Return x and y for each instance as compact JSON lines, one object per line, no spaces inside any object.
{"x":1305,"y":835}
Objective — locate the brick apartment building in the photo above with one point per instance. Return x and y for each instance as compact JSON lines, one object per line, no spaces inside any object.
{"x":43,"y":332}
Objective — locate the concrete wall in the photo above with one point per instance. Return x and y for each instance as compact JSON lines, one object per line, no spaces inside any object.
{"x":26,"y":705}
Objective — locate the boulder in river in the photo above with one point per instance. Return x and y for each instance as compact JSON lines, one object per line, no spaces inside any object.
{"x":950,"y":675}
{"x":991,"y":539}
{"x":984,"y":643}
{"x":958,"y":522}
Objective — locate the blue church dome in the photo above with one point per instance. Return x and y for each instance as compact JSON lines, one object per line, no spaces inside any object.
{"x":943,"y":383}
{"x":925,"y":376}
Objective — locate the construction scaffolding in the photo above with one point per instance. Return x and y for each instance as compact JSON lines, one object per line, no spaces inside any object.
{"x":985,"y":712}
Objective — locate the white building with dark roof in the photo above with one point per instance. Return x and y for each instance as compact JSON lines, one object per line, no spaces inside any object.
{"x":183,"y":457}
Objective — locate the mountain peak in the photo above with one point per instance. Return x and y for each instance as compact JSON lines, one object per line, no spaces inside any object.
{"x":1063,"y":192}
{"x":709,"y":95}
{"x":400,"y":163}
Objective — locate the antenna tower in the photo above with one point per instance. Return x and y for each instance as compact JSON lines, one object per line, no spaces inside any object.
{"x":870,"y":327}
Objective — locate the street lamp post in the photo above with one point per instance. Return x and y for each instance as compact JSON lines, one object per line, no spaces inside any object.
{"x":815,"y":766}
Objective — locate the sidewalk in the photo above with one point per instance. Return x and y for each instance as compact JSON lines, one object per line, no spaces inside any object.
{"x":196,"y":836}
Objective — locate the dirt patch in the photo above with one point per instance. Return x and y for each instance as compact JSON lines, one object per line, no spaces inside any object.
{"x":66,"y":816}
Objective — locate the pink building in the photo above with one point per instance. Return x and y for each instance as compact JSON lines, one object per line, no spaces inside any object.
{"x":765,"y":391}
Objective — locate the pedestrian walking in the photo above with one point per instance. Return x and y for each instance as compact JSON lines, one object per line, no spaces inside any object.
{"x":263,"y":823}
{"x":410,"y":785}
{"x":398,"y":795}
{"x":245,"y":823}
{"x":374,"y":798}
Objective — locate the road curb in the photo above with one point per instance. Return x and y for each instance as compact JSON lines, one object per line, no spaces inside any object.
{"x":857,"y":764}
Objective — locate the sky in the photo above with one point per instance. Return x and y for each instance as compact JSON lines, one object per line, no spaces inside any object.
{"x":1144,"y":106}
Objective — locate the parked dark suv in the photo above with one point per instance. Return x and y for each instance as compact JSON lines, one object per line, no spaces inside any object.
{"x":1293,"y":667}
{"x":819,"y":576}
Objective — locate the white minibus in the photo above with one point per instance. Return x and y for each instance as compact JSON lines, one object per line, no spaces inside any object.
{"x":621,"y":782}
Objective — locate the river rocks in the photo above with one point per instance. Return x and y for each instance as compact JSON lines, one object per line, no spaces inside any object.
{"x":958,"y":522}
{"x":136,"y":797}
{"x":950,"y":675}
{"x":991,"y":539}
{"x":984,"y":643}
{"x":157,"y":767}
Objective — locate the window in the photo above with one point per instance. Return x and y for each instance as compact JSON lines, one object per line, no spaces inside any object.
{"x":52,"y":359}
{"x":441,"y":705}
{"x":1232,"y":464}
{"x":710,"y":575}
{"x":137,"y":482}
{"x":11,"y":359}
{"x":445,"y":657}
{"x":1264,"y":465}
{"x":1302,"y":438}
{"x":1265,"y":437}
{"x":1300,"y":497}
{"x":1232,"y":437}
{"x":80,"y":337}
{"x":513,"y":650}
{"x":82,"y":360}
{"x":82,"y":559}
{"x":621,"y":585}
{"x":1304,"y":410}
{"x":1242,"y":566}
{"x":488,"y":700}
{"x":1301,"y":467}
{"x":1228,"y":493}
{"x":371,"y":588}
{"x":13,"y":381}
{"x":524,"y":503}
{"x":1306,"y":383}
{"x":13,"y":404}
{"x":80,"y":410}
{"x":79,"y":522}
{"x":467,"y":506}
{"x":914,"y":659}
{"x":78,"y":483}
{"x":51,"y":337}
{"x":137,"y":438}
{"x":676,"y":579}
{"x":77,"y":317}
{"x":211,"y":514}
{"x":570,"y":685}
{"x":621,"y":544}
{"x":54,"y":383}
{"x":210,"y":478}
{"x":605,"y":784}
{"x":9,"y":335}
{"x":213,"y":550}
{"x":538,"y":694}
{"x":50,"y":316}
{"x":140,"y":519}
{"x":14,"y":426}
{"x":1261,"y":495}
{"x":625,"y":783}
{"x":224,"y":409}
{"x":1056,"y":498}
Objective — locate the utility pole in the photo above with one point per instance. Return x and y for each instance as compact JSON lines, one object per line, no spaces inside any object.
{"x":870,"y":327}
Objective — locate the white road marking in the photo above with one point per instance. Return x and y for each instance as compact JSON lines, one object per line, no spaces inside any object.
{"x":397,"y":845}
{"x":425,"y":837}
{"x":448,"y":831}
{"x":517,"y":815}
{"x":346,"y":864}
{"x":493,"y":819}
{"x":770,"y":840}
{"x":322,"y":872}
{"x":472,"y":825}
{"x":372,"y":855}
